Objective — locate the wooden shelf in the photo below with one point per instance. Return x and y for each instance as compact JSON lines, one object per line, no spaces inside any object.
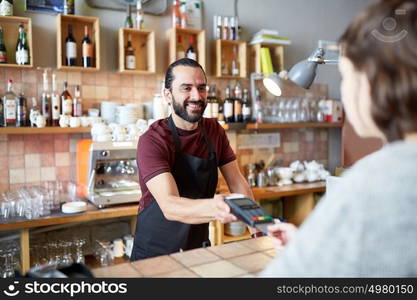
{"x":288,"y":190}
{"x":277,"y":57}
{"x":229,"y":238}
{"x":143,"y":41}
{"x":78,"y":23}
{"x":10,"y":26}
{"x":44,"y":130}
{"x":259,"y":126}
{"x":199,"y":46}
{"x":225,"y":52}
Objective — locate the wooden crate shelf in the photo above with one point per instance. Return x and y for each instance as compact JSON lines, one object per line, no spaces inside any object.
{"x":277,"y":57}
{"x":78,"y":23}
{"x":143,"y":41}
{"x":10,"y":26}
{"x":44,"y":130}
{"x":199,"y":37}
{"x":225,"y":52}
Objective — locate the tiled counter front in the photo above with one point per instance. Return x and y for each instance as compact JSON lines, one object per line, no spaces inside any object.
{"x":239,"y":259}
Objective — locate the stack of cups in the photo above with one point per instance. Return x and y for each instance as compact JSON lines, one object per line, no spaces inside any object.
{"x":108,"y":111}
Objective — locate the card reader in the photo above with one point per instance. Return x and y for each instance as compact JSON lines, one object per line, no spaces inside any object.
{"x":249,"y":211}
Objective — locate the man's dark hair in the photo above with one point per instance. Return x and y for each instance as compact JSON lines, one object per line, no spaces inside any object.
{"x":187,"y":62}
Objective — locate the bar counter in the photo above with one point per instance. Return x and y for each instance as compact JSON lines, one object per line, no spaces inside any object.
{"x":237,"y":259}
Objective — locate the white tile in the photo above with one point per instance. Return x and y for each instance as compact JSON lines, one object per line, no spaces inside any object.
{"x":309,"y":136}
{"x":48,"y":174}
{"x":323,"y":135}
{"x":62,"y":159}
{"x":16,"y":176}
{"x":32,"y":160}
{"x":32,"y":175}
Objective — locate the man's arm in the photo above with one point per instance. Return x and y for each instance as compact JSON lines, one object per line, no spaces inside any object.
{"x":191,"y":211}
{"x":235,"y":180}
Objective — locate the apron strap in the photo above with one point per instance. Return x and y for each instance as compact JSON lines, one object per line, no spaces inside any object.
{"x":177,"y":139}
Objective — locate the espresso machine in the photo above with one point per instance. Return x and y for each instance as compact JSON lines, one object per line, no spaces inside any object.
{"x":107,"y":172}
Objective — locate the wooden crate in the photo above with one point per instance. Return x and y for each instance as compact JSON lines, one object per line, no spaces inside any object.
{"x":225,"y":51}
{"x":277,"y":57}
{"x":199,"y":46}
{"x":78,"y":23}
{"x":143,"y":41}
{"x":10,"y":26}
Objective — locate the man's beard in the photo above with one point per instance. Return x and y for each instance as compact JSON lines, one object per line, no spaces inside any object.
{"x":181,"y":110}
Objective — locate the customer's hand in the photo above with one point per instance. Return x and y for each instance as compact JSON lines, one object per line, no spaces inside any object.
{"x":222,"y":210}
{"x":281,"y":233}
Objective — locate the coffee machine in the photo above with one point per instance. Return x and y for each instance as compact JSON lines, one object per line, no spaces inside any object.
{"x":107,"y":172}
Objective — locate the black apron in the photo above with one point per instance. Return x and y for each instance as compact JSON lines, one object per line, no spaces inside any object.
{"x":196,"y":178}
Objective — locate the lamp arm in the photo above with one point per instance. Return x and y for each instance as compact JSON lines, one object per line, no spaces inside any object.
{"x":317,"y":56}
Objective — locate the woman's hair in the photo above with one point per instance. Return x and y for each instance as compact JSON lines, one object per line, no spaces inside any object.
{"x":382,"y":43}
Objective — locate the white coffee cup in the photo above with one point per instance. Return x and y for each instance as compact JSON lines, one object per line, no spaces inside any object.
{"x":85,"y":121}
{"x":118,"y":248}
{"x":75,"y":122}
{"x":64,"y":120}
{"x":40,"y":121}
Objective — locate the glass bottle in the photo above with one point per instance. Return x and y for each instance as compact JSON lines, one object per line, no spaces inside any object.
{"x":214,"y":102}
{"x":237,"y":105}
{"x":10,"y":105}
{"x":246,"y":107}
{"x":55,"y":102}
{"x":128,"y":20}
{"x":6,"y":8}
{"x":34,"y":112}
{"x":77,"y":103}
{"x":184,"y":15}
{"x":1,"y":112}
{"x":218,"y":28}
{"x":176,"y":14}
{"x":208,"y":109}
{"x":226,"y":29}
{"x":235,"y":63}
{"x":190,"y":53}
{"x":22,"y":49}
{"x":130,"y":54}
{"x":68,"y":7}
{"x":21,"y":111}
{"x":3,"y":52}
{"x":258,"y":107}
{"x":180,"y":47}
{"x":87,"y":47}
{"x":140,"y":15}
{"x":228,"y":107}
{"x":46,"y":100}
{"x":71,"y":48}
{"x":66,"y":101}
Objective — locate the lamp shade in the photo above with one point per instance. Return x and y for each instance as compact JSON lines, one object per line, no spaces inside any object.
{"x":273,"y":84}
{"x":303,"y":73}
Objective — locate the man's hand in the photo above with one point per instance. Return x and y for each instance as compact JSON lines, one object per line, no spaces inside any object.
{"x":281,"y":233}
{"x":222,"y":210}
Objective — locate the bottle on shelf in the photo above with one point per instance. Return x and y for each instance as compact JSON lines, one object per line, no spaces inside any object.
{"x":34,"y":112}
{"x":214,"y":102}
{"x":140,"y":15}
{"x":46,"y":100}
{"x":10,"y":100}
{"x":235,"y":63}
{"x":218,"y":27}
{"x":190,"y":53}
{"x":226,"y":29}
{"x":6,"y":8}
{"x":55,"y":102}
{"x":184,"y":15}
{"x":21,"y":111}
{"x":1,"y":112}
{"x":77,"y":103}
{"x":66,"y":101}
{"x":22,"y":49}
{"x":208,"y":110}
{"x":220,"y":117}
{"x":128,"y":20}
{"x":180,"y":47}
{"x":228,"y":107}
{"x":176,"y":14}
{"x":224,"y":67}
{"x":233,"y":28}
{"x":71,"y":48}
{"x":237,"y":105}
{"x":87,"y":47}
{"x":68,"y":7}
{"x":3,"y":52}
{"x":246,"y":107}
{"x":258,"y":107}
{"x":130,"y":58}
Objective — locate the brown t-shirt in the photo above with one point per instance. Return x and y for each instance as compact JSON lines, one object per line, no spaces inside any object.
{"x":156,"y":150}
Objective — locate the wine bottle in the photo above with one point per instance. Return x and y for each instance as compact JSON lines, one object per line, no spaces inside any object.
{"x":190,"y":53}
{"x":214,"y":102}
{"x":55,"y":102}
{"x":228,"y":107}
{"x":246,"y":107}
{"x":176,"y":14}
{"x":21,"y":111}
{"x":22,"y":49}
{"x":46,"y":100}
{"x":10,"y":105}
{"x":1,"y":112}
{"x":66,"y":100}
{"x":71,"y":48}
{"x":140,"y":15}
{"x":77,"y":110}
{"x":87,"y":49}
{"x":128,"y":20}
{"x":237,"y":105}
{"x":180,"y":47}
{"x":3,"y":52}
{"x":130,"y":54}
